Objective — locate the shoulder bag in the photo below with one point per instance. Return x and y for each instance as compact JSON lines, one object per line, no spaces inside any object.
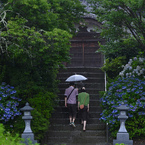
{"x":70,"y":93}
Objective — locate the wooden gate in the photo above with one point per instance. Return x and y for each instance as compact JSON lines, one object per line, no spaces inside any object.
{"x":83,"y":50}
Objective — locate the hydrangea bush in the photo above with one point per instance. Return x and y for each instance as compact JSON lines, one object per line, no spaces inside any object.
{"x":130,"y":89}
{"x":135,"y":68}
{"x":8,"y":103}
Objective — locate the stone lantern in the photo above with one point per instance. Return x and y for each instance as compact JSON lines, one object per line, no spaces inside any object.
{"x":27,"y":134}
{"x":122,"y":135}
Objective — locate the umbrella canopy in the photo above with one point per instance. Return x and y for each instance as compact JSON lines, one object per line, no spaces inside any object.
{"x":76,"y":78}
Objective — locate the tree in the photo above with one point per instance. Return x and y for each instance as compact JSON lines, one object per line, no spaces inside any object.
{"x":124,"y":26}
{"x":48,"y":14}
{"x":34,"y":41}
{"x":35,"y":38}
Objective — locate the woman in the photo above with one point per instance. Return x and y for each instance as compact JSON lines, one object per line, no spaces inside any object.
{"x":83,"y":98}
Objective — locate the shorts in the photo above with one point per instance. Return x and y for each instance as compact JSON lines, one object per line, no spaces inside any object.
{"x":72,"y":110}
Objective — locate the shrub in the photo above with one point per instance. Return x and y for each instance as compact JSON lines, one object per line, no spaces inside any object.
{"x":135,"y":67}
{"x":39,"y":125}
{"x":7,"y":139}
{"x":8,"y":103}
{"x":44,"y":103}
{"x":130,"y":89}
{"x":113,"y":67}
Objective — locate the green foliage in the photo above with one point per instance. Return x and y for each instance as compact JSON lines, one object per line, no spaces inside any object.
{"x":30,"y":142}
{"x":16,"y":126}
{"x":39,"y":125}
{"x":123,"y":27}
{"x":120,"y":144}
{"x":48,"y":14}
{"x":34,"y":40}
{"x":131,"y":92}
{"x":135,"y":126}
{"x":128,"y":88}
{"x":113,"y":67}
{"x":44,"y":103}
{"x":7,"y":139}
{"x":2,"y":72}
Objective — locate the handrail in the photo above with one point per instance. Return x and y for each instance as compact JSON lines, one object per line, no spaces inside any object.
{"x":107,"y":133}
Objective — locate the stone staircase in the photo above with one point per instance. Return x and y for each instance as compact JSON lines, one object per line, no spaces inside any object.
{"x":60,"y":133}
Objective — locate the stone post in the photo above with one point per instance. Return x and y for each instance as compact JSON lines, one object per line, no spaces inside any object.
{"x":122,"y":135}
{"x":27,"y":134}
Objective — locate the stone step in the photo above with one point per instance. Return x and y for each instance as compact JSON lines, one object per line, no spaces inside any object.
{"x":65,"y":109}
{"x":58,"y":127}
{"x":92,"y":102}
{"x":95,"y":95}
{"x":87,"y":85}
{"x":77,"y":121}
{"x":89,"y":139}
{"x":75,"y":140}
{"x":81,"y":69}
{"x":64,"y":76}
{"x":68,"y":133}
{"x":100,"y":143}
{"x":66,"y":114}
{"x":90,"y":80}
{"x":60,"y":132}
{"x":92,"y":96}
{"x":88,"y":90}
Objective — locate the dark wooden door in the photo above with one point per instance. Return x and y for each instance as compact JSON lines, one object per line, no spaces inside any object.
{"x":83,"y":54}
{"x":83,"y":49}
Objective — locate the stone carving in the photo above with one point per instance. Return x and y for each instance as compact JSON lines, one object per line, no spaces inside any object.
{"x":122,"y":135}
{"x":27,"y":134}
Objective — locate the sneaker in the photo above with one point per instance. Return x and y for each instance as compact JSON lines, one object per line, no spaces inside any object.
{"x":73,"y":124}
{"x":70,"y":123}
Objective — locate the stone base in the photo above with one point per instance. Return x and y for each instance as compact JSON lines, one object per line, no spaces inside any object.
{"x":27,"y":137}
{"x":123,"y":138}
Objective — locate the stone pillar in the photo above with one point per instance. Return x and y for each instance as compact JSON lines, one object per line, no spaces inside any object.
{"x":27,"y":134}
{"x":122,"y":135}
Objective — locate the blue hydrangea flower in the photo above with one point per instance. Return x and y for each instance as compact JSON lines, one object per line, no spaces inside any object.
{"x":129,"y":90}
{"x":8,"y":103}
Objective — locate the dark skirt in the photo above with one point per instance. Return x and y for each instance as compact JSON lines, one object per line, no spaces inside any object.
{"x":83,"y":114}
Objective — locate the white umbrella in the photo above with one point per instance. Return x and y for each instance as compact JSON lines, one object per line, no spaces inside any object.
{"x":76,"y":78}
